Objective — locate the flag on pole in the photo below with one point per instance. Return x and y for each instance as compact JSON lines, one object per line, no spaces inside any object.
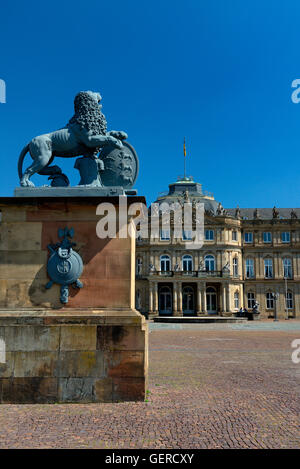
{"x":184,"y":149}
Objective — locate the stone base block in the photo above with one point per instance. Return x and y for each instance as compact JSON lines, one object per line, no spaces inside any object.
{"x":73,"y":356}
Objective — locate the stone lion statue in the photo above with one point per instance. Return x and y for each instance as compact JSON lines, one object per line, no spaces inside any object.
{"x":84,"y":135}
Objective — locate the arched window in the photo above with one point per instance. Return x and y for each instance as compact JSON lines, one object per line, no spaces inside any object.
{"x":209,"y":263}
{"x":187,"y":263}
{"x":268,"y":268}
{"x":236,"y":300}
{"x":249,"y":268}
{"x":250,"y":299}
{"x":139,"y":265}
{"x":165,"y":263}
{"x":287,"y":267}
{"x":289,"y":300}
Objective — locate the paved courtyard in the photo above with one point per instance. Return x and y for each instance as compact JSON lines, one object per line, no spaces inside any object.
{"x":210,"y":386}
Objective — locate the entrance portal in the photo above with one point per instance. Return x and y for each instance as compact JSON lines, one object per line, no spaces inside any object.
{"x":165,"y":301}
{"x":188,"y":301}
{"x":211,"y":300}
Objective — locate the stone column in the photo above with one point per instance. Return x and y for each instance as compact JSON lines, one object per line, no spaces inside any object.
{"x":228,"y":298}
{"x":173,"y":260}
{"x":230,"y":262}
{"x":151,"y":259}
{"x":150,"y":299}
{"x":155,"y":298}
{"x":219,"y":261}
{"x":242,"y":304}
{"x":261,"y":266}
{"x":294,"y":266}
{"x":256,"y":265}
{"x":147,"y":262}
{"x":196,"y":262}
{"x":199,"y":298}
{"x":200,"y":258}
{"x":276,"y":267}
{"x":281,"y":303}
{"x":180,"y":313}
{"x":175,"y":302}
{"x":223,"y":287}
{"x":203,"y":292}
{"x":296,"y":300}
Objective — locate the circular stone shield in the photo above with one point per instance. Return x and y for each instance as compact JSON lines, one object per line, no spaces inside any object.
{"x":121,"y":166}
{"x":65,"y":271}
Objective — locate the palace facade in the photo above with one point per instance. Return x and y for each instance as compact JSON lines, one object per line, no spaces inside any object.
{"x":248,"y":255}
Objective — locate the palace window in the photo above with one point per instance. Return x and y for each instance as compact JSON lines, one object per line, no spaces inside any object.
{"x":268,"y":268}
{"x":285,"y":237}
{"x":164,"y":235}
{"x":165,"y":263}
{"x":187,"y":263}
{"x":209,"y":235}
{"x":187,"y":235}
{"x":139,"y":265}
{"x":235,"y":266}
{"x":236,"y":300}
{"x":248,"y":237}
{"x":287,"y":267}
{"x":270,"y":300}
{"x":250,"y":299}
{"x":249,"y":268}
{"x":267,"y":237}
{"x":209,"y":263}
{"x":289,"y":300}
{"x":234,"y":235}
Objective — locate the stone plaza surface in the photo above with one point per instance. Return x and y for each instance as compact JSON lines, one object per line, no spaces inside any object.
{"x":211,"y":386}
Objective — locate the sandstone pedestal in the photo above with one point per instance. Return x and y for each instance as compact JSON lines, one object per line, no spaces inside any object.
{"x":94,"y":348}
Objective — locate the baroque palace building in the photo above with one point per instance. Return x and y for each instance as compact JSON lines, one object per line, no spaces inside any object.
{"x":248,"y":255}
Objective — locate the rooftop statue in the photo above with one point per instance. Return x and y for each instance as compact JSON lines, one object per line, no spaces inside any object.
{"x":275,"y":212}
{"x":84,"y":135}
{"x":293,"y":214}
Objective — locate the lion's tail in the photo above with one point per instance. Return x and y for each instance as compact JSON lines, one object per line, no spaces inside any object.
{"x":21,"y":159}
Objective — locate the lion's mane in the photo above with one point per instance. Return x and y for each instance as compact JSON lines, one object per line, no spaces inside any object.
{"x":88,"y":114}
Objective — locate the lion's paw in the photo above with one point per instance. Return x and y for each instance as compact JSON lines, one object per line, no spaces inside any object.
{"x":26,"y":184}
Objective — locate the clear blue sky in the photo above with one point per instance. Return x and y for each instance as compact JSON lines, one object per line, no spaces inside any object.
{"x":218,"y":72}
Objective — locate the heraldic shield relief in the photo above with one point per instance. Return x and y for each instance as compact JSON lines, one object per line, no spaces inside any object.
{"x":65,"y":265}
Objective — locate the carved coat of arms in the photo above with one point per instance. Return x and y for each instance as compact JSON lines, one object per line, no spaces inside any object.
{"x":65,"y":265}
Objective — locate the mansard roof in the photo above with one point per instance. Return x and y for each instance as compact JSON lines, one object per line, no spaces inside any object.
{"x":186,"y":189}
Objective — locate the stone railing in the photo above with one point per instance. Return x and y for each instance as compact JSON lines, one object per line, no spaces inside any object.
{"x":190,"y":273}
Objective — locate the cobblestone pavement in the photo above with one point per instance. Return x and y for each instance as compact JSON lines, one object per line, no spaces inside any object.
{"x":210,"y":387}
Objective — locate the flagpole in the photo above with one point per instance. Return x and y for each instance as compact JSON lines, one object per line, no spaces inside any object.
{"x":184,"y":158}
